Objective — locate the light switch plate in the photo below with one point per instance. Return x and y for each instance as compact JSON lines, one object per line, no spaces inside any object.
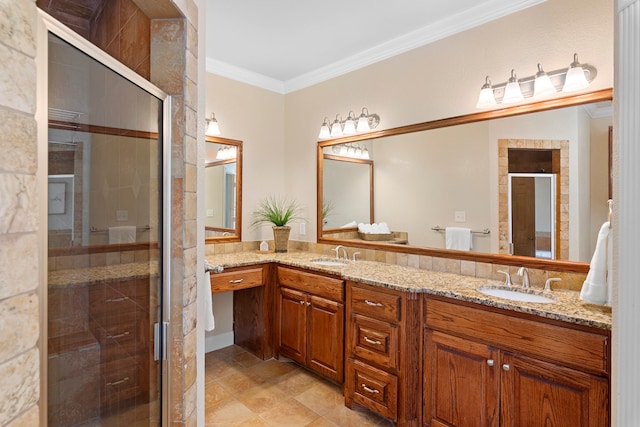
{"x":460,"y":216}
{"x":209,"y":213}
{"x":303,"y":229}
{"x":122,"y":215}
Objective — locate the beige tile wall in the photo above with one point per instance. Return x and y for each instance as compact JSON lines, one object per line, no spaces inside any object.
{"x":572,"y":281}
{"x":19,"y":299}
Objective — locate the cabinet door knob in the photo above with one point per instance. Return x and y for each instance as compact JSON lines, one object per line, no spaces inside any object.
{"x":370,"y":390}
{"x":236,"y":281}
{"x":370,"y":341}
{"x":373,"y":304}
{"x":301,"y":302}
{"x":309,"y":303}
{"x":506,"y":367}
{"x":490,"y":362}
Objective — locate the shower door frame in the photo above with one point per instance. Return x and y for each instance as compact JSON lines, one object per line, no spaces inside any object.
{"x":47,"y":24}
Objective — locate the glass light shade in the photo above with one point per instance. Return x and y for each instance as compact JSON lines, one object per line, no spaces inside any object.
{"x":512,"y":93}
{"x":365,"y":153}
{"x":349,"y":127}
{"x":542,"y":86}
{"x":363,"y":124}
{"x":325,"y":132}
{"x":212,"y":128}
{"x":336,"y":129}
{"x":575,"y":80}
{"x":486,"y":98}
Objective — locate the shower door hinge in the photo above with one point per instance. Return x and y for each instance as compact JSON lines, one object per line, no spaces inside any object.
{"x":160,"y":341}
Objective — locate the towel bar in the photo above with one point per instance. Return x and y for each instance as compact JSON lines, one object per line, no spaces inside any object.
{"x":484,"y":231}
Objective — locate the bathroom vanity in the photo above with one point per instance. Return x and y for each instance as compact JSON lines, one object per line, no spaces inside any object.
{"x":425,"y":348}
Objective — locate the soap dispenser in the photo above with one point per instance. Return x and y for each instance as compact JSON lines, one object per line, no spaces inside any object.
{"x":264,"y":246}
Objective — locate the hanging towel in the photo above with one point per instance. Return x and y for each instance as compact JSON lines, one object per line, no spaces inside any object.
{"x":123,"y":234}
{"x":458,"y":238}
{"x":209,"y":321}
{"x":596,"y":289}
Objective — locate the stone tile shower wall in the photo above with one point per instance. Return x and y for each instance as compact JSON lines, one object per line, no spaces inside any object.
{"x":19,"y":269}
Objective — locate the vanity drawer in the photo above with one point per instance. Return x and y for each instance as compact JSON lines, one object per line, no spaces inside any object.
{"x":373,"y":388}
{"x":374,"y":341}
{"x":322,"y":286}
{"x":235,"y":280}
{"x":376,"y":303}
{"x":566,"y":345}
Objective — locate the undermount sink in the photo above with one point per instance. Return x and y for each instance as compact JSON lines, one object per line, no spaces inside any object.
{"x":516,"y":294}
{"x":329,"y":262}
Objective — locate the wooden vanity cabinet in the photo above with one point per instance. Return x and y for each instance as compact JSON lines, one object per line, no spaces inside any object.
{"x":383,"y":349}
{"x":310,"y":325}
{"x":488,"y":367}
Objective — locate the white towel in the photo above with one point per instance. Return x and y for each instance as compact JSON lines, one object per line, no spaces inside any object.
{"x":122,"y":234}
{"x":458,"y":238}
{"x":596,"y":289}
{"x":209,"y":321}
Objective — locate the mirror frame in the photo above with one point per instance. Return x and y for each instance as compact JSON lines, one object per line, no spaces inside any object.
{"x":237,"y":236}
{"x":512,"y":260}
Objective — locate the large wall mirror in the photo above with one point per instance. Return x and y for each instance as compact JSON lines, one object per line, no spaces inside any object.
{"x":478,"y":172}
{"x":223,"y":190}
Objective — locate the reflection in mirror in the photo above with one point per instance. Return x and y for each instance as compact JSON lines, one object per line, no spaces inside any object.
{"x":454,"y":172}
{"x":348,"y":184}
{"x":223,"y":189}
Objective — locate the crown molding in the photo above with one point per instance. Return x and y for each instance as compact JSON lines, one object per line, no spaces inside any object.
{"x":463,"y":21}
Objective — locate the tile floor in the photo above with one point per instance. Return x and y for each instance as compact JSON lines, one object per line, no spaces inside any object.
{"x":242,"y":390}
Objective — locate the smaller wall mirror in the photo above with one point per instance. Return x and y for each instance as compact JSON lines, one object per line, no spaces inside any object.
{"x":223,"y":190}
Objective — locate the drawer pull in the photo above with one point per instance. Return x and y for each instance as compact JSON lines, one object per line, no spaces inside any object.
{"x":490,"y":362}
{"x":236,"y":281}
{"x":112,"y":337}
{"x":116,"y":299}
{"x":372,"y":304}
{"x":506,"y":367}
{"x":125,"y":379}
{"x":370,"y":390}
{"x":370,"y":341}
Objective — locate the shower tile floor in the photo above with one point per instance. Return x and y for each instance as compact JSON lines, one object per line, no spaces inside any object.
{"x":242,"y":390}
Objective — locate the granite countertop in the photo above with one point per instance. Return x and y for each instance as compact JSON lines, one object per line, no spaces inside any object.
{"x":90,"y":275}
{"x":567,"y":305}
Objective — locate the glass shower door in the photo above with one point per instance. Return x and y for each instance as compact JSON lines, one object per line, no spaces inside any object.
{"x":105,"y":197}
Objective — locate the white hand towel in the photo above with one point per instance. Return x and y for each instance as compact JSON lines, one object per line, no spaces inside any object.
{"x":122,"y":234}
{"x":458,"y":238}
{"x":209,"y":321}
{"x":595,"y":289}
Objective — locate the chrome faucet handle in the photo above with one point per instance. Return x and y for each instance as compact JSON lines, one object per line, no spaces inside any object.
{"x":547,"y":284}
{"x":507,"y":279}
{"x":355,"y":254}
{"x":522,"y":271}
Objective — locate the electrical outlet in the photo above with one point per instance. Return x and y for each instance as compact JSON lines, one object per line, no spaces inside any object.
{"x":460,"y":216}
{"x":122,"y":215}
{"x":303,"y":229}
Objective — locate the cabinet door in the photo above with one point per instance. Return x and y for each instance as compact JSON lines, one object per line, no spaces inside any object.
{"x":461,"y":382}
{"x":536,"y":393}
{"x":292,"y":329}
{"x":325,"y":339}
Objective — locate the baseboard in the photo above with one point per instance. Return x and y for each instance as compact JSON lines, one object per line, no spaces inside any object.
{"x":216,"y":342}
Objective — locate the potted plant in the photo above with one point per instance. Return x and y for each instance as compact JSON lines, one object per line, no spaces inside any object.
{"x":280,"y":212}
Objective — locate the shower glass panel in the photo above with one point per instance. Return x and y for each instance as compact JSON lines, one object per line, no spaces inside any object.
{"x":105,"y":198}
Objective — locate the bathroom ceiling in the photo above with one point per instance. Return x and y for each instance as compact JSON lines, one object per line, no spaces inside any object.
{"x":285,"y":45}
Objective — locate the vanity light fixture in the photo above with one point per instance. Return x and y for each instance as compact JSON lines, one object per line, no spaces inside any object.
{"x":212,"y":126}
{"x":574,"y":78}
{"x":226,"y":152}
{"x":355,"y":151}
{"x":350,"y":126}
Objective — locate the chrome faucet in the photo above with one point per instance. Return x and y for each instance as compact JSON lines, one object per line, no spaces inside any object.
{"x":507,"y":279}
{"x":522,"y":271}
{"x":345,"y":254}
